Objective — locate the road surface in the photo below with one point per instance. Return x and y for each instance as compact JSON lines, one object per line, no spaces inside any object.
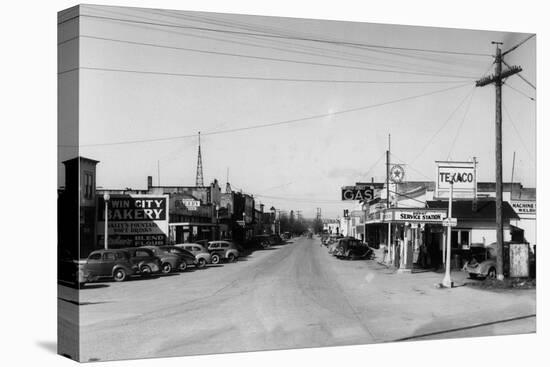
{"x":290,"y":296}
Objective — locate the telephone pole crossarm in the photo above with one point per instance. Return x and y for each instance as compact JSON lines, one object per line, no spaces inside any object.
{"x":493,"y":78}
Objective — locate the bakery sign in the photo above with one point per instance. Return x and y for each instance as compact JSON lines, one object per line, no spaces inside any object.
{"x":524,"y":208}
{"x":133,"y":220}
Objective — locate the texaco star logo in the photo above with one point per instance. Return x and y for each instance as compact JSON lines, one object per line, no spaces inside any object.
{"x":397,"y":173}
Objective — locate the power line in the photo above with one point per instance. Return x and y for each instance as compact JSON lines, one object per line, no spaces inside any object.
{"x":411,"y":167}
{"x":206,"y":29}
{"x":278,"y":31}
{"x":265,"y":58}
{"x":286,"y":43}
{"x":520,"y":92}
{"x":521,"y":77}
{"x":461,"y":124}
{"x":374,"y":165}
{"x":443,"y":125}
{"x":285,"y":122}
{"x":519,"y":44}
{"x":238,"y":77}
{"x":517,"y":132}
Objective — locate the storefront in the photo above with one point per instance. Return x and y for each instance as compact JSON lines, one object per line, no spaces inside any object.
{"x":476,"y":224}
{"x":414,"y":233}
{"x":185,"y":232}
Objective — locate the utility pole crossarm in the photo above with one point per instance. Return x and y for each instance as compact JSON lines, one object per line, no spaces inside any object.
{"x":493,"y":78}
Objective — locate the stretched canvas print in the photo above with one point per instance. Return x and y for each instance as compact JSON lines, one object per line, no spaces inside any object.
{"x":233,"y":183}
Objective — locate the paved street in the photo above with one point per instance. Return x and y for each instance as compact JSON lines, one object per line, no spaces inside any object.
{"x":290,"y":296}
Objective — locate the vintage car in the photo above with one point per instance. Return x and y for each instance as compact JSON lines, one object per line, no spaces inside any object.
{"x":483,"y":260}
{"x":168,"y":261}
{"x":351,"y":248}
{"x":264,"y":240}
{"x":223,"y":250}
{"x":145,"y":260}
{"x":114,"y":264}
{"x":201,"y":254}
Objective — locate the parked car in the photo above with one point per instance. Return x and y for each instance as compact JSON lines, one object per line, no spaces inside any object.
{"x":200,"y":254}
{"x":68,"y":268}
{"x":223,"y":250}
{"x":113,"y":264}
{"x":483,"y":260}
{"x":278,"y":240}
{"x":264,"y":240}
{"x":332,"y":247}
{"x":168,"y":261}
{"x":203,"y":243}
{"x":145,"y":260}
{"x":352,"y":248}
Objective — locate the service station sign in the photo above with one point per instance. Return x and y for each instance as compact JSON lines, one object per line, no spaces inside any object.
{"x":133,"y":220}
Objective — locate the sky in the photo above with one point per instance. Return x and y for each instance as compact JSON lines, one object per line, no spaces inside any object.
{"x":294,"y":109}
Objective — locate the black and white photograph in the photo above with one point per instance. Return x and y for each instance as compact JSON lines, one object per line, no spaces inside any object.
{"x":231,"y":181}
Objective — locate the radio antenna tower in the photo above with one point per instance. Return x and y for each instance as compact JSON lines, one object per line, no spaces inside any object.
{"x":199,"y":180}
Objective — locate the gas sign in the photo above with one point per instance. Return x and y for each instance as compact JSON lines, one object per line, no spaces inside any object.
{"x":359,"y":193}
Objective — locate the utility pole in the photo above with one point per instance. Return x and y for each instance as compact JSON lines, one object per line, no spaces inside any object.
{"x":389,"y":244}
{"x":497,"y":80}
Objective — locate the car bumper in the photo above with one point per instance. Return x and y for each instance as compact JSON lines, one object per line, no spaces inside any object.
{"x":471,"y":270}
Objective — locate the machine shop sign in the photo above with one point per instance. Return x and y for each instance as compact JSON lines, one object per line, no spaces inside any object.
{"x":524,"y":208}
{"x":360,"y":193}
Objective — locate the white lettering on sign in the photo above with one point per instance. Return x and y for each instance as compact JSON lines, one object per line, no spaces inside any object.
{"x":420,"y":216}
{"x":359,"y":193}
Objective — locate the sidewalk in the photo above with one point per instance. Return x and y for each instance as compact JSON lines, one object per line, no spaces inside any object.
{"x":406,"y":305}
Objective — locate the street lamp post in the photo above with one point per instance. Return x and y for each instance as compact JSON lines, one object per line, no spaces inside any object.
{"x":218,"y":221}
{"x":106,"y":198}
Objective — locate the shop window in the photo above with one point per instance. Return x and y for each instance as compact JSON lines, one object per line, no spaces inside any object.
{"x":88,"y":185}
{"x":460,"y":238}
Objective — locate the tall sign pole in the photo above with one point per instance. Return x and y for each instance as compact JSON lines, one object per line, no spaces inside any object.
{"x":497,"y":80}
{"x":447,"y":282}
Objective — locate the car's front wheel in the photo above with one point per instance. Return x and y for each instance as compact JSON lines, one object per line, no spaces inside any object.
{"x":215,"y":259}
{"x":183,"y":266}
{"x":201,"y":263}
{"x":146,"y":270}
{"x":232,"y":258}
{"x":119,"y":275}
{"x":492,"y":273}
{"x":166,"y":268}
